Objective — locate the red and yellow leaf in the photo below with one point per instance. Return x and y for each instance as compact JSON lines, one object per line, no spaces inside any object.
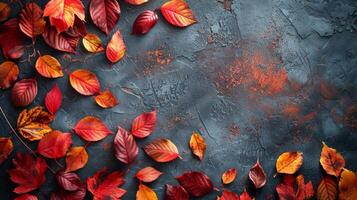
{"x":162,"y":150}
{"x":145,"y":193}
{"x":257,"y":175}
{"x":332,"y":161}
{"x":105,"y":14}
{"x":125,"y":147}
{"x":327,"y":189}
{"x":136,"y":2}
{"x":24,"y":92}
{"x":176,"y":193}
{"x":106,"y":99}
{"x":4,"y":11}
{"x":144,"y":22}
{"x":104,"y":186}
{"x":91,"y":129}
{"x":77,"y":158}
{"x":228,"y":195}
{"x":60,"y":41}
{"x":84,"y":82}
{"x":144,"y":124}
{"x":9,"y":71}
{"x":6,"y":147}
{"x":31,"y":22}
{"x":197,"y":145}
{"x":178,"y":13}
{"x":348,"y":185}
{"x":229,"y":176}
{"x":196,"y":184}
{"x":53,"y":99}
{"x":116,"y":48}
{"x":92,"y":43}
{"x":49,"y":67}
{"x":148,"y":174}
{"x":289,"y":162}
{"x":55,"y":144}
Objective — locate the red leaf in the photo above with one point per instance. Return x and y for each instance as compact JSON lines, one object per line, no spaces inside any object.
{"x":84,"y":82}
{"x":144,"y":22}
{"x":91,"y":129}
{"x":6,"y":147}
{"x":144,"y":124}
{"x":196,"y":184}
{"x":55,"y":144}
{"x":29,"y":173}
{"x":257,"y":175}
{"x":228,"y":195}
{"x":116,"y":48}
{"x":68,"y":181}
{"x":24,"y":92}
{"x":176,"y":193}
{"x":67,"y":195}
{"x":136,"y":2}
{"x":106,"y":187}
{"x":60,"y":41}
{"x":26,"y":197}
{"x":305,"y":191}
{"x":5,"y":11}
{"x":53,"y":99}
{"x":78,"y":30}
{"x":178,"y":13}
{"x":125,"y":147}
{"x":148,"y":174}
{"x":285,"y":189}
{"x":11,"y":39}
{"x":105,"y":14}
{"x":245,"y":196}
{"x":31,"y":21}
{"x":162,"y":150}
{"x":9,"y":71}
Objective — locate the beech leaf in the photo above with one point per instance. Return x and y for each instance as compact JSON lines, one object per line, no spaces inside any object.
{"x":144,"y":124}
{"x":48,"y":66}
{"x":106,"y":99}
{"x":162,"y":150}
{"x":77,"y":158}
{"x":331,"y":161}
{"x":116,"y":48}
{"x":148,"y":174}
{"x":195,"y":183}
{"x":55,"y":144}
{"x":11,"y":39}
{"x":197,"y":145}
{"x":24,"y":92}
{"x":289,"y":162}
{"x":125,"y":147}
{"x":105,"y":14}
{"x":9,"y":72}
{"x":144,"y":22}
{"x":104,"y":186}
{"x":91,"y":129}
{"x":53,"y":99}
{"x":178,"y":13}
{"x":60,"y":41}
{"x":136,"y":2}
{"x":84,"y":82}
{"x":229,"y":176}
{"x":257,"y":175}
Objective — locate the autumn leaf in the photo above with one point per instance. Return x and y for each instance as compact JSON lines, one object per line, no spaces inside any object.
{"x":125,"y":148}
{"x":62,"y":194}
{"x":144,"y":124}
{"x":105,"y":14}
{"x":104,"y":186}
{"x":286,"y":189}
{"x":26,"y":197}
{"x":348,"y":185}
{"x":6,"y":147}
{"x":144,"y":22}
{"x":228,"y":195}
{"x":176,"y":193}
{"x":4,"y":11}
{"x":11,"y":39}
{"x":48,"y":66}
{"x":78,"y":30}
{"x":91,"y":129}
{"x":24,"y":92}
{"x":145,"y":193}
{"x":92,"y":43}
{"x":62,"y":13}
{"x":116,"y":48}
{"x":162,"y":150}
{"x":332,"y":161}
{"x":106,"y":99}
{"x":53,"y":99}
{"x":68,"y":181}
{"x":55,"y":144}
{"x":305,"y":191}
{"x":136,"y":2}
{"x":31,"y":22}
{"x":257,"y":175}
{"x":195,"y":183}
{"x":289,"y":162}
{"x":229,"y":176}
{"x":29,"y":173}
{"x":245,"y":196}
{"x":148,"y":174}
{"x":33,"y":124}
{"x":9,"y":71}
{"x":197,"y":145}
{"x":60,"y":41}
{"x":77,"y":158}
{"x":178,"y":13}
{"x":84,"y":82}
{"x":327,"y":189}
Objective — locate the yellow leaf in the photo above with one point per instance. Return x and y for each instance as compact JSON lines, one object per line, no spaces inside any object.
{"x":145,"y":193}
{"x":198,"y":145}
{"x":49,"y":67}
{"x":92,"y":43}
{"x":332,"y":161}
{"x":289,"y":162}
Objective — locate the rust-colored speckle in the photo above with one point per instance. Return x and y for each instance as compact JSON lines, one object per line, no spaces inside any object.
{"x":350,"y":118}
{"x":234,"y":130}
{"x":291,"y":111}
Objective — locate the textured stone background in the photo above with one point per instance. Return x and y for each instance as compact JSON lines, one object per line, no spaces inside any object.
{"x":254,"y":77}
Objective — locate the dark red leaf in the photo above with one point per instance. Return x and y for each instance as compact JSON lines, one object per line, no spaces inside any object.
{"x":78,"y":30}
{"x":257,"y":175}
{"x":196,"y":184}
{"x":105,"y":14}
{"x":176,"y":193}
{"x":144,"y":22}
{"x":11,"y":39}
{"x":31,"y":21}
{"x":285,"y":189}
{"x":144,"y":124}
{"x":228,"y":195}
{"x":68,"y":181}
{"x":24,"y":92}
{"x":26,"y":197}
{"x":68,"y":195}
{"x":245,"y":196}
{"x":60,"y":41}
{"x":53,"y":99}
{"x":125,"y":147}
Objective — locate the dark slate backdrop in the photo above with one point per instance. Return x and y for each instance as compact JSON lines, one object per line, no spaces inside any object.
{"x":224,"y":77}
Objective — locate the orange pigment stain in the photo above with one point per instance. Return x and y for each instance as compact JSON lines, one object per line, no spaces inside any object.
{"x":291,"y":111}
{"x":156,"y":61}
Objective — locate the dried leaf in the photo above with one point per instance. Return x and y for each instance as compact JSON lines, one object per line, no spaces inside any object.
{"x":176,"y":193}
{"x":257,"y":175}
{"x":91,"y":129}
{"x":162,"y":150}
{"x":9,"y":72}
{"x":92,"y":43}
{"x":53,"y":99}
{"x":245,"y":196}
{"x":33,"y":124}
{"x":60,"y":41}
{"x":145,"y":193}
{"x":348,"y":185}
{"x":4,"y":11}
{"x":77,"y":158}
{"x":178,"y":13}
{"x":197,"y":145}
{"x":228,"y":195}
{"x":289,"y":162}
{"x":55,"y":144}
{"x":31,"y":22}
{"x":332,"y":161}
{"x":24,"y":92}
{"x":327,"y":189}
{"x":11,"y":39}
{"x":144,"y":22}
{"x":105,"y":14}
{"x":125,"y":147}
{"x":26,"y":197}
{"x":144,"y":124}
{"x":229,"y":176}
{"x":136,"y":2}
{"x":84,"y":82}
{"x":116,"y":48}
{"x":6,"y":147}
{"x":148,"y":174}
{"x":29,"y":173}
{"x":106,"y":187}
{"x":68,"y":181}
{"x":106,"y":99}
{"x":48,"y":66}
{"x":196,"y":184}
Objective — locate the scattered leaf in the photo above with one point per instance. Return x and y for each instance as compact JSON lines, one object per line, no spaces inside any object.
{"x":55,"y":144}
{"x":162,"y":150}
{"x":148,"y":174}
{"x":106,"y":187}
{"x":178,"y":13}
{"x":196,"y":184}
{"x":68,"y":181}
{"x":257,"y":175}
{"x":105,"y":14}
{"x":4,"y":11}
{"x":6,"y":147}
{"x":9,"y":72}
{"x":116,"y":48}
{"x":229,"y":176}
{"x":31,"y":22}
{"x":60,"y":41}
{"x":136,"y":2}
{"x":78,"y":30}
{"x":24,"y":92}
{"x":332,"y":161}
{"x":91,"y":129}
{"x":245,"y":196}
{"x":77,"y":158}
{"x":26,"y":197}
{"x":144,"y":124}
{"x":176,"y":193}
{"x":62,"y":194}
{"x":53,"y":99}
{"x":286,"y":189}
{"x":289,"y":162}
{"x":48,"y":66}
{"x":305,"y":191}
{"x":84,"y":82}
{"x":327,"y":189}
{"x":144,"y":22}
{"x":197,"y":145}
{"x":125,"y":148}
{"x":145,"y":193}
{"x":348,"y":185}
{"x":92,"y":43}
{"x":228,"y":195}
{"x":11,"y":39}
{"x":106,"y":99}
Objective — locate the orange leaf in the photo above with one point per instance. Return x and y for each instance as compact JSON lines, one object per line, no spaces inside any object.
{"x":106,"y":99}
{"x":178,"y":13}
{"x":245,"y":196}
{"x":116,"y":48}
{"x":145,"y":193}
{"x":104,"y":186}
{"x":24,"y":92}
{"x":305,"y":191}
{"x":148,"y":174}
{"x":348,"y":185}
{"x":62,"y":13}
{"x":136,"y":2}
{"x":77,"y":158}
{"x":91,"y":129}
{"x":92,"y":43}
{"x":9,"y":72}
{"x":327,"y":189}
{"x":4,"y":11}
{"x":6,"y":148}
{"x":48,"y":67}
{"x":84,"y":82}
{"x":31,"y":22}
{"x":332,"y":161}
{"x":257,"y":175}
{"x":33,"y":124}
{"x":229,"y":176}
{"x":55,"y":144}
{"x":197,"y":145}
{"x":144,"y":124}
{"x":289,"y":162}
{"x":162,"y":150}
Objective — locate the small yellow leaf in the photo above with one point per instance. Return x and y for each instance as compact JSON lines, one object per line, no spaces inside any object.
{"x":92,"y":43}
{"x":197,"y":145}
{"x":145,"y":193}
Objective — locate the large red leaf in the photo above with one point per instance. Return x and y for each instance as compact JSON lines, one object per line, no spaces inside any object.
{"x":162,"y":150}
{"x":148,"y":174}
{"x":91,"y":129}
{"x":68,"y":181}
{"x":178,"y":13}
{"x":144,"y":124}
{"x":55,"y":144}
{"x":106,"y":187}
{"x":60,"y":41}
{"x":9,"y":71}
{"x":286,"y":189}
{"x":11,"y":39}
{"x":144,"y":22}
{"x":125,"y":147}
{"x":26,"y":197}
{"x":6,"y":147}
{"x":24,"y":92}
{"x":53,"y":99}
{"x":84,"y":82}
{"x":257,"y":175}
{"x":196,"y":184}
{"x":105,"y":14}
{"x":116,"y":48}
{"x":176,"y":193}
{"x":228,"y":195}
{"x":29,"y":173}
{"x":31,"y":21}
